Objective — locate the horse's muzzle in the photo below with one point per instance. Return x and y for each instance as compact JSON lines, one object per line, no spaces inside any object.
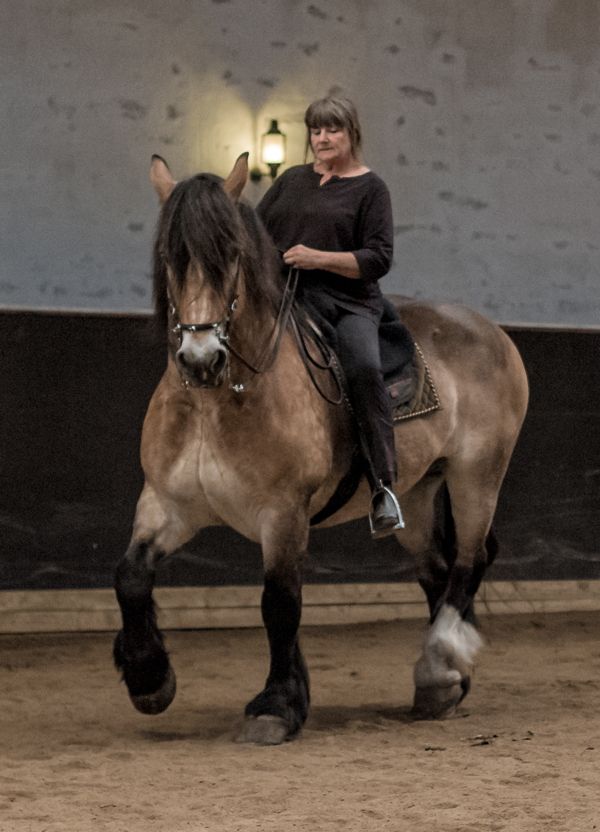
{"x":202,"y":370}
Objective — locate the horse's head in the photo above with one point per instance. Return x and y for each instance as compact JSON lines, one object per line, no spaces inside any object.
{"x":199,"y":249}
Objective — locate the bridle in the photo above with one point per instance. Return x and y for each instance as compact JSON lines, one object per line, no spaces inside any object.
{"x":222,"y":327}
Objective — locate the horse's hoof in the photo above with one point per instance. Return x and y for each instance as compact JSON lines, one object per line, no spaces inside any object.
{"x":437,"y":702}
{"x":263,"y":730}
{"x":159,"y":701}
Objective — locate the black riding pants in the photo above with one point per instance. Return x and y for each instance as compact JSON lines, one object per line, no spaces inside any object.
{"x":358,"y":350}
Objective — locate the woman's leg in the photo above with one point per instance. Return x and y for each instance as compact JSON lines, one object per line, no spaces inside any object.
{"x":358,"y":350}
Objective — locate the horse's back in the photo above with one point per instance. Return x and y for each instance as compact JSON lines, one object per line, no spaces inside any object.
{"x":444,"y":320}
{"x":453,"y":330}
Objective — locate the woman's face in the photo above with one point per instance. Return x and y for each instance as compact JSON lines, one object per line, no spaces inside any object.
{"x":330,"y":144}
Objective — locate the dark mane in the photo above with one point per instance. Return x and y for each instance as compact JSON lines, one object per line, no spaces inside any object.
{"x":200,"y":224}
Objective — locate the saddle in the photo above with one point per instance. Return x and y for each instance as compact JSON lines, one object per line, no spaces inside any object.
{"x":405,"y":371}
{"x":406,"y":375}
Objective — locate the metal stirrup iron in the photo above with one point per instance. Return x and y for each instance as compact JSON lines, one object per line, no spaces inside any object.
{"x":383,"y":489}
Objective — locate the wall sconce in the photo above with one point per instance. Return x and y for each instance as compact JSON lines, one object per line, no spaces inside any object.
{"x":272,"y":151}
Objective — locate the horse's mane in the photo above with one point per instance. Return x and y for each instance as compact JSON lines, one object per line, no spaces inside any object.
{"x":200,"y":224}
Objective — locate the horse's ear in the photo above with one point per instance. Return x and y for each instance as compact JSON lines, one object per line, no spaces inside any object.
{"x":161,"y":178}
{"x":234,"y":184}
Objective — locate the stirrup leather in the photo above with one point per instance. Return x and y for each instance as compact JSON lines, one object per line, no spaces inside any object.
{"x":400,"y":521}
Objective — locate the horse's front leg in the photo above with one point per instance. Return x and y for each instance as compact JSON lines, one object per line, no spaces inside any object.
{"x":139,"y":651}
{"x":279,"y":711}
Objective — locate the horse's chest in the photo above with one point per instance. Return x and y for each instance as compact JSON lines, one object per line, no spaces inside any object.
{"x":236,"y":487}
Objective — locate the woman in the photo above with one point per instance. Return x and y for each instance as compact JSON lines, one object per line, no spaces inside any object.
{"x":332,"y":219}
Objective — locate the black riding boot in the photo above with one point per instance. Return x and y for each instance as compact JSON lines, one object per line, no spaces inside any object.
{"x":376,"y":429}
{"x":358,"y":347}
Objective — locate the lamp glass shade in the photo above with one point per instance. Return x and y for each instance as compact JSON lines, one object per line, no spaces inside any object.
{"x":272,"y":147}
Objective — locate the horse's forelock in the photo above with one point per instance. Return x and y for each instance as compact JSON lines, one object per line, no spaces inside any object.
{"x":260,"y":261}
{"x":200,"y":224}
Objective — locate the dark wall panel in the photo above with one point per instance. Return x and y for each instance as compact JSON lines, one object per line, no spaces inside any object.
{"x":74,"y":392}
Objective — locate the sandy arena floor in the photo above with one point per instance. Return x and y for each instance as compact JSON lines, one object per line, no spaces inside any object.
{"x":522,"y":754}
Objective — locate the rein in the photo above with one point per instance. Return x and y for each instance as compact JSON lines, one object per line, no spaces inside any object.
{"x":330,"y":363}
{"x":281,"y":322}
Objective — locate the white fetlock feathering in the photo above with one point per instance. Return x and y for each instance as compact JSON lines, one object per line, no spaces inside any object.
{"x":449,"y":651}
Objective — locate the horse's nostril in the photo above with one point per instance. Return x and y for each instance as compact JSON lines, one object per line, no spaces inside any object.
{"x":218,"y":362}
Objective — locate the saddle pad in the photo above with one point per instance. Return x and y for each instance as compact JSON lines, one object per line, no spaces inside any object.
{"x":415,"y":393}
{"x":406,"y":374}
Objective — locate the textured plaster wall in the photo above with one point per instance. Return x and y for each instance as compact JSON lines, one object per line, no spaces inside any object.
{"x":483,"y":116}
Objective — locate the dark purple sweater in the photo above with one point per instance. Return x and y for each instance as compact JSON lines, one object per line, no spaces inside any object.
{"x":345,"y":214}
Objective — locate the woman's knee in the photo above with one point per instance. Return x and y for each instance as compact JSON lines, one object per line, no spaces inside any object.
{"x":364,"y":378}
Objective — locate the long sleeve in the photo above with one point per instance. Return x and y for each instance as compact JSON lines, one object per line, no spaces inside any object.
{"x":376,"y":232}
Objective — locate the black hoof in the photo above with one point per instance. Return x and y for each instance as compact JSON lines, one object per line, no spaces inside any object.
{"x":284,"y":703}
{"x":159,"y":701}
{"x":276,"y":702}
{"x":439,"y":702}
{"x":148,"y":675}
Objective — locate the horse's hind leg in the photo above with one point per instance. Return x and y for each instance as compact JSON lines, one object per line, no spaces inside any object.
{"x":438,"y":560}
{"x":279,"y":711}
{"x":443,"y":672}
{"x":139,"y":651}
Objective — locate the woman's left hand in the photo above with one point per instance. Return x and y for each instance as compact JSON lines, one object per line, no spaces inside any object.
{"x":303,"y":257}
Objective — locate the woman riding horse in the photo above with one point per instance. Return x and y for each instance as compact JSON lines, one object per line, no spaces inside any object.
{"x":236,"y":434}
{"x":332,"y":219}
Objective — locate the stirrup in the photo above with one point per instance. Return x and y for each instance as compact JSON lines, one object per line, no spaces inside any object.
{"x":375,"y":533}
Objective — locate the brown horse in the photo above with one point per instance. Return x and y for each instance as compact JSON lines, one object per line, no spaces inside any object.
{"x":236,"y":434}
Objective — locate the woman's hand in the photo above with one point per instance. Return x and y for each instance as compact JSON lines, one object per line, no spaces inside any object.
{"x":303,"y":257}
{"x":338,"y":262}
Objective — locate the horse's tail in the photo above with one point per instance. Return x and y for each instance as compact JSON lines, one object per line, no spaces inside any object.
{"x":446,"y":542}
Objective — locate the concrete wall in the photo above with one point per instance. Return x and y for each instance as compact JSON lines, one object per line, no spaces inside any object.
{"x":482,"y":116}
